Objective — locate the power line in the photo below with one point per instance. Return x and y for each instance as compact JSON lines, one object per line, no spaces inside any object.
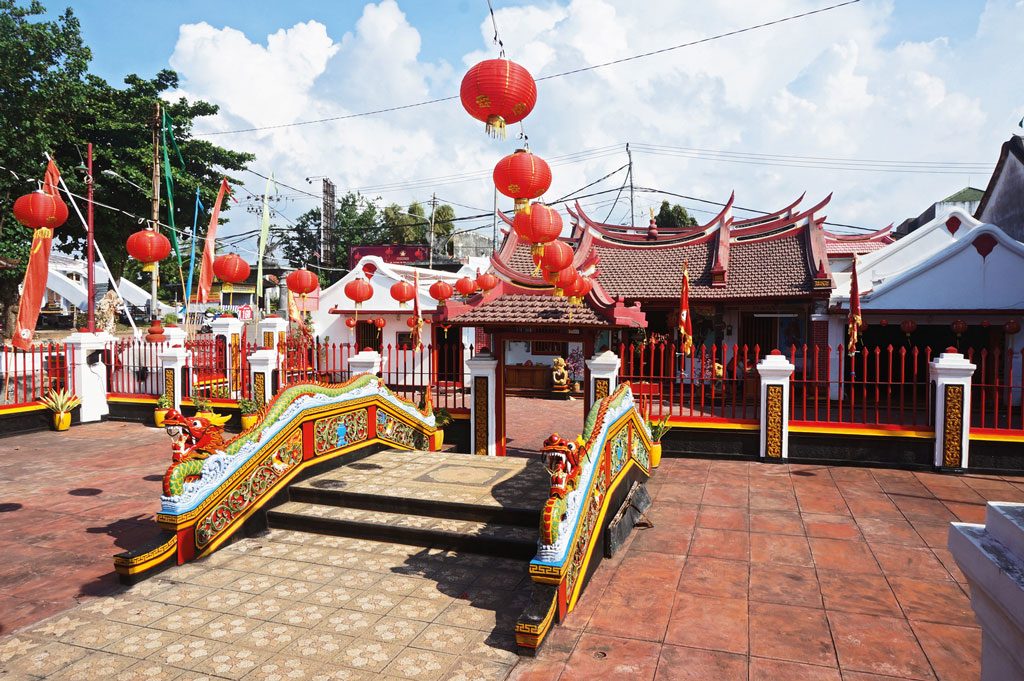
{"x":593,"y":67}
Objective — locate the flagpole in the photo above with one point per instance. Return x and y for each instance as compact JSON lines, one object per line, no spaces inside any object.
{"x":155,"y":208}
{"x":90,"y":240}
{"x":113,"y":282}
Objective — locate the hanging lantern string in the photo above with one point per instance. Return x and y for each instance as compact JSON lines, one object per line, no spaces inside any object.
{"x":497,"y":38}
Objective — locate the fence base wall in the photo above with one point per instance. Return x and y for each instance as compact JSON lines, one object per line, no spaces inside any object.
{"x":996,"y":455}
{"x":690,"y":441}
{"x":31,"y":419}
{"x":457,"y":434}
{"x":858,"y":449}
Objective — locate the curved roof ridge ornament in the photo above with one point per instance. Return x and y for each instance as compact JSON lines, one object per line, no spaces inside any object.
{"x":781,"y":225}
{"x":784,"y":212}
{"x":878,"y":234}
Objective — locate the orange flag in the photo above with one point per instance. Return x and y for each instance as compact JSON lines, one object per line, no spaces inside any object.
{"x":210,"y":249}
{"x":854,"y":322}
{"x":34,"y":287}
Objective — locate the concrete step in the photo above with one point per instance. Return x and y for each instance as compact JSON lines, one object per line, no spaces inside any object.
{"x":401,"y":526}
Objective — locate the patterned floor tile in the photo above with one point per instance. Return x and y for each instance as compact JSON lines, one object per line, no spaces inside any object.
{"x":215,"y":578}
{"x":149,"y":670}
{"x":188,"y":652}
{"x":351,"y":622}
{"x":99,"y":634}
{"x":447,"y":639}
{"x":96,"y":665}
{"x":227,"y":628}
{"x":291,"y":589}
{"x":272,"y":636}
{"x":141,"y":613}
{"x":475,"y":669}
{"x":305,"y":615}
{"x":460,"y":615}
{"x":185,"y":621}
{"x":322,"y":645}
{"x":182,"y":593}
{"x":44,"y":660}
{"x":252,"y":584}
{"x":262,"y":608}
{"x":392,"y":629}
{"x":366,"y":655}
{"x":142,"y":643}
{"x":355,"y":579}
{"x":222,"y":600}
{"x":497,"y":647}
{"x":373,"y":601}
{"x":331,"y":595}
{"x":233,"y":662}
{"x":421,"y":665}
{"x":59,"y":627}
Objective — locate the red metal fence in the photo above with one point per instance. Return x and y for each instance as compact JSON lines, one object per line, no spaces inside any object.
{"x":880,"y":386}
{"x":206,"y":361}
{"x":717,"y":382}
{"x":996,"y":390}
{"x":406,"y":370}
{"x":133,"y":367}
{"x":30,"y":375}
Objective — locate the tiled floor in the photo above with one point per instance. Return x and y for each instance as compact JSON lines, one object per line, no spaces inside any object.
{"x":530,"y":420}
{"x":68,"y":502}
{"x":766,"y":572}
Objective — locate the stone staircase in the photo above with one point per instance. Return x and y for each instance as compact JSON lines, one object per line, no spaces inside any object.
{"x":456,"y":502}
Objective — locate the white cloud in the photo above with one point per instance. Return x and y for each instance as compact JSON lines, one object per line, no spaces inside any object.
{"x":826,"y":85}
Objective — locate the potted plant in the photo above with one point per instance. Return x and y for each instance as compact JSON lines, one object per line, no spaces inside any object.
{"x":163,"y":404}
{"x":442,"y":418}
{"x":61,"y":402}
{"x":202,"y":405}
{"x":250,"y":410}
{"x":658,"y":430}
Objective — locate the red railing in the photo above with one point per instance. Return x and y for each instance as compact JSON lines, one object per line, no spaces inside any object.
{"x":206,"y":360}
{"x":30,"y":374}
{"x":406,"y":370}
{"x":717,"y":382}
{"x":880,"y":386}
{"x":133,"y":367}
{"x":996,"y":390}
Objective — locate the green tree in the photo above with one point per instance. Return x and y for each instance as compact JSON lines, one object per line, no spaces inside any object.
{"x":670,"y":216}
{"x":52,"y":104}
{"x":444,"y":225}
{"x":405,"y":226}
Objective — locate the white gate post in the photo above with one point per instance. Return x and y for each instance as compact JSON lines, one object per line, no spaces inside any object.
{"x":262,"y":364}
{"x":90,"y":373}
{"x":483,"y":429}
{"x":775,"y":371}
{"x":604,"y":375}
{"x":172,"y":361}
{"x":951,"y":373}
{"x":365,"y":362}
{"x":230,"y":329}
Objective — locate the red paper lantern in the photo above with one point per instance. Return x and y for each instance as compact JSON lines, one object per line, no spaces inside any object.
{"x":358,"y":291}
{"x":351,"y":323}
{"x":1011,"y":327}
{"x":403,"y":292}
{"x":557,"y":256}
{"x":39,"y":209}
{"x":522,"y":176}
{"x":908,"y":326}
{"x":441,"y":291}
{"x":486,"y":281}
{"x":959,"y":327}
{"x":411,"y":322}
{"x":302,"y":282}
{"x":231,"y":268}
{"x":498,"y":92}
{"x":562,"y":279}
{"x":465,"y":286}
{"x":538,"y":225}
{"x":148,"y":246}
{"x":380,"y":322}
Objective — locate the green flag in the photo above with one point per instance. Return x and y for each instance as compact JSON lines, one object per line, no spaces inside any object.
{"x":167,"y":133}
{"x":264,"y":235}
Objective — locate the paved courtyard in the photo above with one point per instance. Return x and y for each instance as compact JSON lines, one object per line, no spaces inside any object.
{"x":751,"y":571}
{"x":530,"y":420}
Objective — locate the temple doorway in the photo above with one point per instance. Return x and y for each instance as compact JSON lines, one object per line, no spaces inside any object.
{"x":533,"y":405}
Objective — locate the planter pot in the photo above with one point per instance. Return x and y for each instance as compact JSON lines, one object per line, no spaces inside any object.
{"x":158,"y":417}
{"x":61,"y":420}
{"x":440,"y":438}
{"x":248,"y":421}
{"x":655,"y":455}
{"x":205,"y":414}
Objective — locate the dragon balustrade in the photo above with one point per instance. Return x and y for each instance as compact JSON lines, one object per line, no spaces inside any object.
{"x":213,"y":487}
{"x":590,"y":480}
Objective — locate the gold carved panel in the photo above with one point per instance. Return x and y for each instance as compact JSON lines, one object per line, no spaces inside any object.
{"x":953,"y":427}
{"x":773,"y":422}
{"x":480,"y":401}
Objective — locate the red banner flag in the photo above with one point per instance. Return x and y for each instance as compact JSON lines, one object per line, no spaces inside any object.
{"x":34,"y":287}
{"x":209,"y":250}
{"x":685,"y":322}
{"x":854,"y":322}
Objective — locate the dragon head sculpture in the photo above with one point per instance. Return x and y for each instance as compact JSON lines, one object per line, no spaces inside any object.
{"x":562,"y":460}
{"x":194,"y":437}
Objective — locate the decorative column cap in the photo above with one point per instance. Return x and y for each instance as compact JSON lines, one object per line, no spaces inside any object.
{"x":775,"y":366}
{"x":951,"y":364}
{"x":604,"y":361}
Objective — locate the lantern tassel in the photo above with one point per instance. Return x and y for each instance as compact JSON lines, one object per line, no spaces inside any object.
{"x":495,"y":127}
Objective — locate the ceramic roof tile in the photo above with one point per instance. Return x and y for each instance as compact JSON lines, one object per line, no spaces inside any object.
{"x":532,"y":310}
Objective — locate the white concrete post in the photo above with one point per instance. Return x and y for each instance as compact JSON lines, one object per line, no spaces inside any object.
{"x":90,"y":373}
{"x":365,"y":362}
{"x":172,"y":361}
{"x":775,"y":371}
{"x":262,"y":364}
{"x":230,"y":329}
{"x":604,"y":375}
{"x":991,"y":556}
{"x":175,"y":335}
{"x":273,"y":331}
{"x":483,"y":374}
{"x":951,"y":373}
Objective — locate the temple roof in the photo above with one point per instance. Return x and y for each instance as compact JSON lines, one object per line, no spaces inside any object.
{"x":533,"y":310}
{"x":849,"y":245}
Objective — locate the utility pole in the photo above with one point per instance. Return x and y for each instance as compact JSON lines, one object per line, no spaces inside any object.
{"x":155,"y":207}
{"x":632,"y":215}
{"x":433,"y":207}
{"x":328,"y":221}
{"x":494,"y":222}
{"x":89,"y":241}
